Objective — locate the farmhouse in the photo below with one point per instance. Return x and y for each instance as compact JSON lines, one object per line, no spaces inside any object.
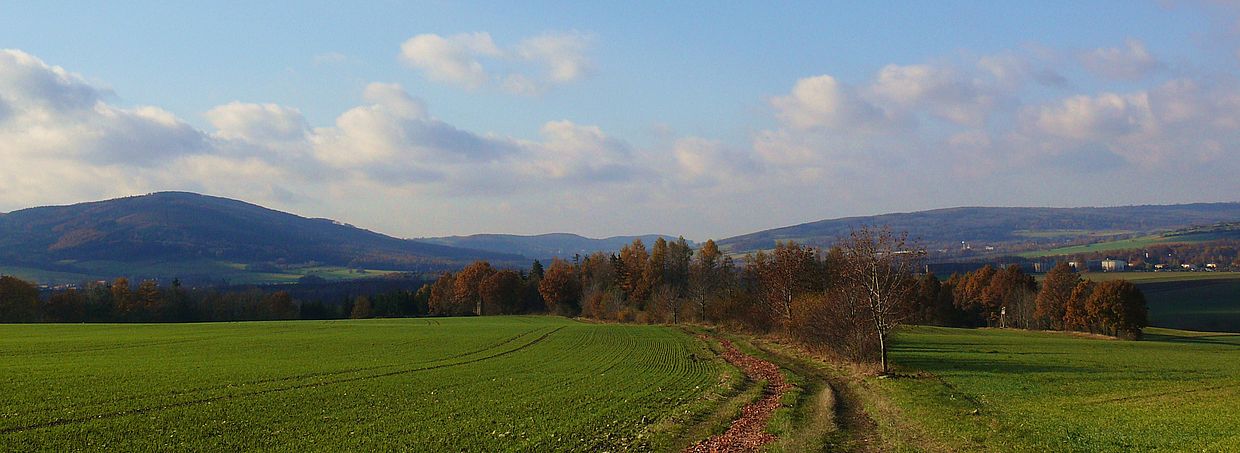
{"x":1114,"y":265}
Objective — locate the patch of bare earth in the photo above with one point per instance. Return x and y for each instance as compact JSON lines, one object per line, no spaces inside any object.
{"x":748,"y":432}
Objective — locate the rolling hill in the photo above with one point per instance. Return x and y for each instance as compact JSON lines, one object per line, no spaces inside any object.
{"x":543,"y":246}
{"x":176,"y":233}
{"x":1008,"y":230}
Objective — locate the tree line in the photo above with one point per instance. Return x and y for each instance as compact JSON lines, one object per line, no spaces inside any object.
{"x":844,"y":300}
{"x":1008,"y":297}
{"x":121,"y":300}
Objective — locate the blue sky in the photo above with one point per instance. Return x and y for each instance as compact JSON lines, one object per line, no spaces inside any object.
{"x":602,"y":119}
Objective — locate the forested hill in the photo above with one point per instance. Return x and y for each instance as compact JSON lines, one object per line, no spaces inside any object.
{"x":1010,"y":228}
{"x":178,"y":226}
{"x":544,"y":246}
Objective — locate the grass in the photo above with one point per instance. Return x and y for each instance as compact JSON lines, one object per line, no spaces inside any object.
{"x":1000,"y":390}
{"x":1123,"y":244}
{"x":234,"y":273}
{"x":1212,"y":305}
{"x":1131,"y":243}
{"x":1042,"y":234}
{"x":479,"y":384}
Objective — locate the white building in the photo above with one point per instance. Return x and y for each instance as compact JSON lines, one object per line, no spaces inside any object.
{"x":1110,"y":265}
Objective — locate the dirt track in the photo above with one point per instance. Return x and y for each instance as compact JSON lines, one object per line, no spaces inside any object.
{"x":747,"y":432}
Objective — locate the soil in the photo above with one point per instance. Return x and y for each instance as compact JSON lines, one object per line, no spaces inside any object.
{"x":748,"y":432}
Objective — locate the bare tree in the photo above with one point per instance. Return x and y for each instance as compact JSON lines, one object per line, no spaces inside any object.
{"x":877,"y":269}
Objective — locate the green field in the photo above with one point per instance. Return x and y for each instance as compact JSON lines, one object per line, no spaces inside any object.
{"x":1207,"y":301}
{"x":1140,"y":242}
{"x":998,"y":390}
{"x":1123,"y":244}
{"x":478,"y":384}
{"x":233,"y":273}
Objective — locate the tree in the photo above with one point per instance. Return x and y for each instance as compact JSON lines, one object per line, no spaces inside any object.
{"x":149,"y":300}
{"x":1056,"y":292}
{"x":361,"y":308}
{"x":1076,"y":314}
{"x":782,"y":275}
{"x":969,"y":294}
{"x":501,"y":292}
{"x":280,"y":305}
{"x":18,"y":300}
{"x":704,"y":277}
{"x":122,"y":297}
{"x":466,"y":286}
{"x":877,"y":271}
{"x":65,"y":306}
{"x":655,"y":273}
{"x":441,"y":298}
{"x":1117,"y":308}
{"x":536,"y":270}
{"x":560,"y":288}
{"x":631,"y":273}
{"x":679,"y":259}
{"x":1008,"y":299}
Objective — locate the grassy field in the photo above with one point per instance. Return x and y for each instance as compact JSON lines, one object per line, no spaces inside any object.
{"x":997,"y":390}
{"x":479,"y":384}
{"x":1140,"y":242}
{"x":1124,"y":244}
{"x":234,"y":273}
{"x":1207,"y":301}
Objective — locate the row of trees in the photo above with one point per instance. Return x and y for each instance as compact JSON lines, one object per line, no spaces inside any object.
{"x":148,"y":301}
{"x":847,"y":299}
{"x":1008,"y":297}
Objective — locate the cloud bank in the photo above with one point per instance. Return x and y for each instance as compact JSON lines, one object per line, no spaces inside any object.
{"x":1006,"y":128}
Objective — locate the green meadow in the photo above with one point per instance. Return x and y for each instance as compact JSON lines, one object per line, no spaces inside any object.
{"x":478,"y":384}
{"x":1001,"y":390}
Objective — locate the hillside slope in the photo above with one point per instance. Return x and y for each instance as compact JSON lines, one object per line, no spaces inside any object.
{"x":1026,"y":227}
{"x":178,"y":227}
{"x":544,"y":246}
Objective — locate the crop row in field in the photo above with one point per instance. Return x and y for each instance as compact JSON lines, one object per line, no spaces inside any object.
{"x":511,"y":383}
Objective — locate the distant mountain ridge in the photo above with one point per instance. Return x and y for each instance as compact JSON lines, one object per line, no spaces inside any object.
{"x":544,"y":246}
{"x":182,"y":226}
{"x":1000,"y":226}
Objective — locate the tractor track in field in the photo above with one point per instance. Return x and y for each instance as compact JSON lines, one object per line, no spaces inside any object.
{"x":1161,"y":394}
{"x":748,"y":431}
{"x":297,"y":377}
{"x":162,"y":407}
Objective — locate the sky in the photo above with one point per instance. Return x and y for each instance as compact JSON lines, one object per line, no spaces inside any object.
{"x":617,"y":118}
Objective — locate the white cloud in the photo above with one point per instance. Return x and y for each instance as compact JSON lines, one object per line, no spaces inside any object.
{"x":575,"y":152}
{"x":563,"y":55}
{"x":1094,"y":117}
{"x":474,"y":60}
{"x":258,"y":123}
{"x":711,"y":162}
{"x":52,"y":112}
{"x":1131,"y":62}
{"x":824,"y":102}
{"x":942,"y":91}
{"x":452,"y":59}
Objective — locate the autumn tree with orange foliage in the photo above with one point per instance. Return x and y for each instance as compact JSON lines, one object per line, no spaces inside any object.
{"x":560,"y":288}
